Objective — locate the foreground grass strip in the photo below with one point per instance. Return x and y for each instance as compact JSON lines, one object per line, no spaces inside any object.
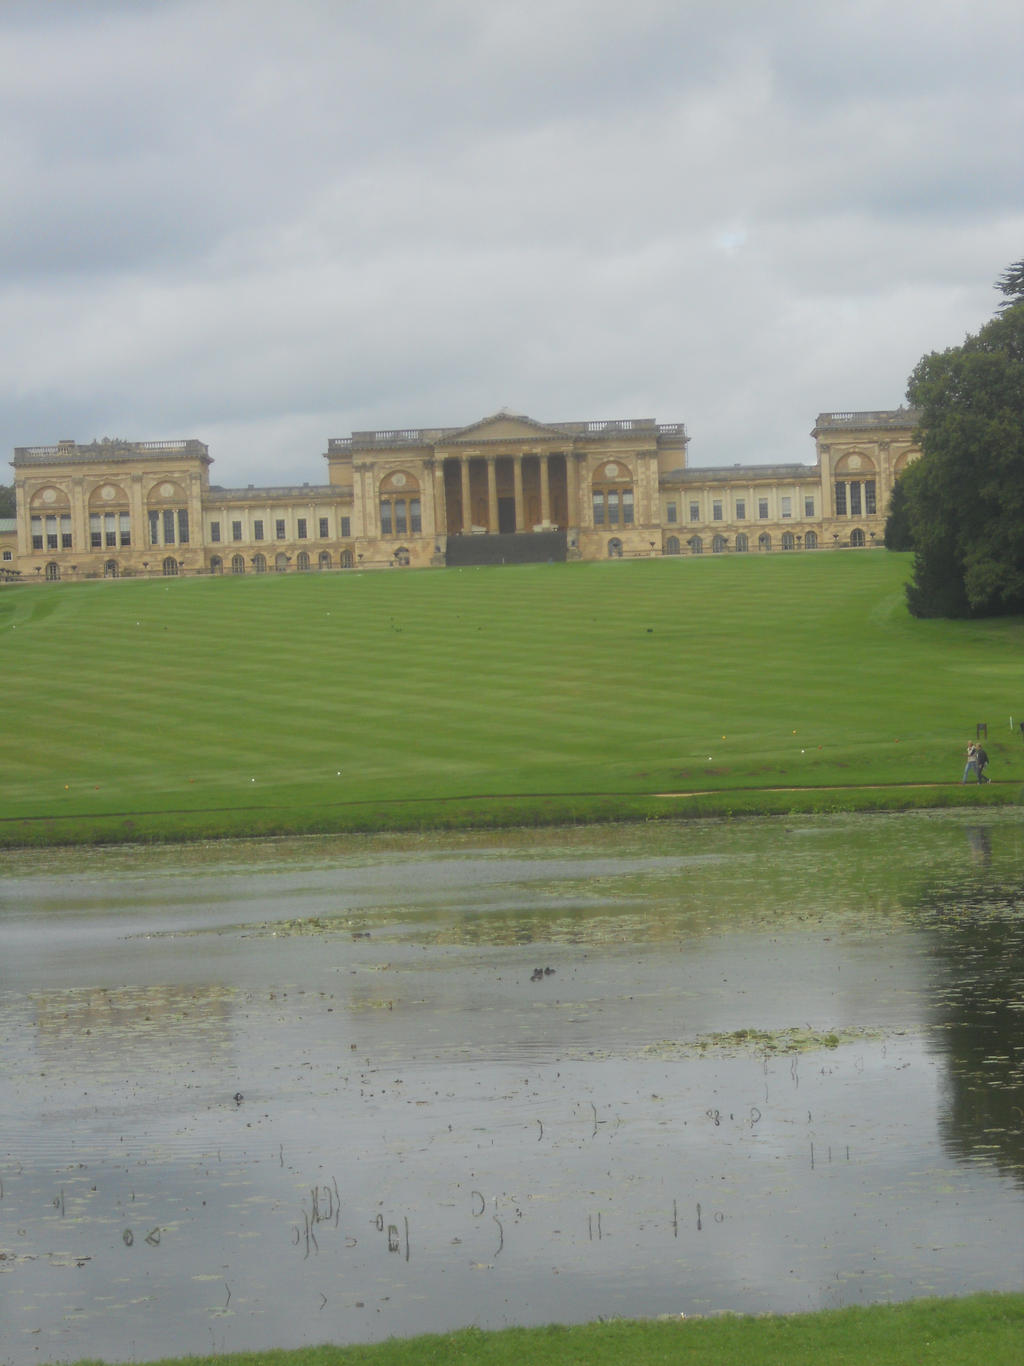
{"x":980,"y":1330}
{"x":535,"y":694}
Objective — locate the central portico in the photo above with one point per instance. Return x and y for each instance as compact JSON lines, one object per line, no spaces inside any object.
{"x":508,"y":476}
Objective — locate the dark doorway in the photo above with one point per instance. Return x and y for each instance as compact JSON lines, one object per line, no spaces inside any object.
{"x":506,"y":515}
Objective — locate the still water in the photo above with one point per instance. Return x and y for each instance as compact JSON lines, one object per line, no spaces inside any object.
{"x":299,"y":1091}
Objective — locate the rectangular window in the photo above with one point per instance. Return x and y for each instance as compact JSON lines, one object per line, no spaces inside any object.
{"x":762,"y":508}
{"x":415,"y":518}
{"x":400,"y":524}
{"x":627,"y":507}
{"x":183,"y":526}
{"x":279,"y":528}
{"x":126,"y":528}
{"x":257,"y":529}
{"x":215,"y":531}
{"x":741,"y":509}
{"x":154,"y":528}
{"x":716,"y":510}
{"x":385,"y":516}
{"x":870,"y":506}
{"x":808,"y":507}
{"x":37,"y":533}
{"x":110,"y":530}
{"x":236,"y":531}
{"x":695,"y":512}
{"x":787,"y":505}
{"x":168,"y":526}
{"x":65,"y":531}
{"x":324,"y":528}
{"x":8,"y":555}
{"x":855,"y":498}
{"x":346,"y":526}
{"x":96,"y":530}
{"x":302,"y":528}
{"x":670,"y":512}
{"x":598,"y":508}
{"x":613,"y":507}
{"x":840,"y":499}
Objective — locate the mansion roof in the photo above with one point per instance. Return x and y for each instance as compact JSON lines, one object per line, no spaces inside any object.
{"x":887,"y":419}
{"x":109,"y":451}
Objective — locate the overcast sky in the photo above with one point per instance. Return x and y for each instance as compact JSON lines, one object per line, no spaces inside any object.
{"x":265,"y":223}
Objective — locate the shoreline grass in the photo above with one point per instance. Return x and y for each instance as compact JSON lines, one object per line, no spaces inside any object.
{"x":978,"y":1330}
{"x":524,"y":695}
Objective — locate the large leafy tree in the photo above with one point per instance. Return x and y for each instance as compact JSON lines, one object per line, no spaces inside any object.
{"x":964,"y":499}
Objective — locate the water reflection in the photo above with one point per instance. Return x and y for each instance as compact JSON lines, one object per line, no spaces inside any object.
{"x":299,"y":1091}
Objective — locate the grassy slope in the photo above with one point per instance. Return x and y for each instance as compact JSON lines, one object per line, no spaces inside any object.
{"x":981,"y":1330}
{"x":214,"y":706}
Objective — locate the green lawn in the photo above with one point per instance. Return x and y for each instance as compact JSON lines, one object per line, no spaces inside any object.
{"x":193,"y":707}
{"x":980,"y":1330}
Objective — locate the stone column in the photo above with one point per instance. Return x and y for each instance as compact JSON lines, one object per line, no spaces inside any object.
{"x":79,"y":517}
{"x":467,"y":510}
{"x":517,"y":482}
{"x":139,"y":519}
{"x":492,"y":494}
{"x":545,"y":490}
{"x":572,"y":487}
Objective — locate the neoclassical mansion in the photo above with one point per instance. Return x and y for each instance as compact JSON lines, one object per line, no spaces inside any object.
{"x":504,"y":489}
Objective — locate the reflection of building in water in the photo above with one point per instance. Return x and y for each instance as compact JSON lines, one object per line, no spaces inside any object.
{"x":134,"y":1027}
{"x":979,"y":838}
{"x":506,"y":488}
{"x":979,"y":932}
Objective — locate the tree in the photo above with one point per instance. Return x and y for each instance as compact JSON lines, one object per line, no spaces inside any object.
{"x":965,"y":496}
{"x":8,"y":506}
{"x":1011,"y":283}
{"x":898,"y":535}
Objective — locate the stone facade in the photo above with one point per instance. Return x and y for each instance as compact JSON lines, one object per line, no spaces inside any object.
{"x":398,"y":498}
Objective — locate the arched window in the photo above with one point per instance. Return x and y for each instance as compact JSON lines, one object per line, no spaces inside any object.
{"x":324,"y":561}
{"x":615,"y":548}
{"x":280,"y":562}
{"x":672,"y":545}
{"x":402,"y":556}
{"x":718,"y":545}
{"x":742,"y":544}
{"x":764,"y":541}
{"x":346,"y":559}
{"x":788,"y":541}
{"x":302,"y":561}
{"x":811,"y":541}
{"x":53,"y":571}
{"x":216,"y":564}
{"x":237,"y":564}
{"x":696,"y":545}
{"x":259,"y":563}
{"x":400,"y":508}
{"x":612,"y":494}
{"x":170,"y":567}
{"x":110,"y":569}
{"x":856,"y":536}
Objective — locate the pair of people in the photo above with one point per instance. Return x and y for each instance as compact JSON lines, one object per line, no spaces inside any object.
{"x":977,"y":762}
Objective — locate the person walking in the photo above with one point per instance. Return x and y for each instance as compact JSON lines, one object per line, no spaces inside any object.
{"x":971,"y":766}
{"x":982,"y":759}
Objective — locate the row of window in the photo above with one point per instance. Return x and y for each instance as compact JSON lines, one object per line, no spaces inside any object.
{"x":740,"y":509}
{"x":398,"y":517}
{"x":849,"y":495}
{"x":789,"y":541}
{"x":612,"y":505}
{"x":280,"y":529}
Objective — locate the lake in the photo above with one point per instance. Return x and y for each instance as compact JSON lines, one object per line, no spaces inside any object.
{"x":294,"y":1091}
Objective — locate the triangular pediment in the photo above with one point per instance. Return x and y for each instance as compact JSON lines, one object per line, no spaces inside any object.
{"x":504,"y":426}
